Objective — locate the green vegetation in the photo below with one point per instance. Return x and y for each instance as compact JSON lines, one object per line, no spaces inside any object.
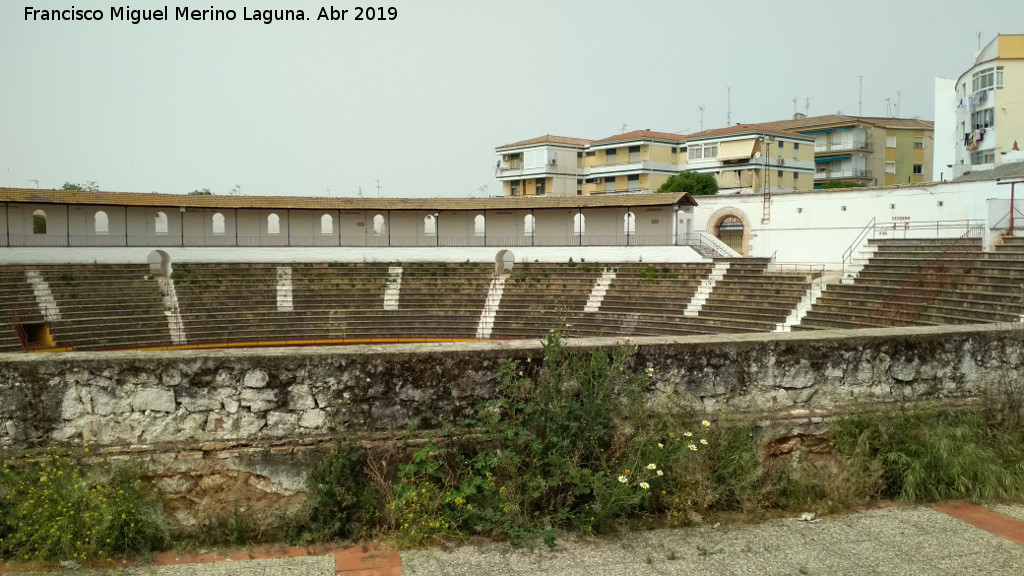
{"x":53,"y":508}
{"x":695,"y":183}
{"x":841,"y":184}
{"x":203,"y":192}
{"x":89,"y":186}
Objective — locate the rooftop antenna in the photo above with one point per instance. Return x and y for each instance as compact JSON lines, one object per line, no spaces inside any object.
{"x":237,"y":190}
{"x":860,"y":96}
{"x":623,"y":129}
{"x":328,"y":192}
{"x":36,"y":180}
{"x":807,"y":105}
{"x":483,"y":191}
{"x":888,"y":107}
{"x":794,"y":105}
{"x":728,"y":106}
{"x":979,"y":41}
{"x":378,"y":188}
{"x":700,"y":110}
{"x":360,"y":191}
{"x":899,"y":96}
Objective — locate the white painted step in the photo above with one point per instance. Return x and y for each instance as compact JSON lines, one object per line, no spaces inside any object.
{"x":801,"y":308}
{"x":486,"y":324}
{"x":694,"y":306}
{"x":284,"y":289}
{"x":393,"y":288}
{"x":175,"y":325}
{"x":44,"y":297}
{"x":598,"y":292}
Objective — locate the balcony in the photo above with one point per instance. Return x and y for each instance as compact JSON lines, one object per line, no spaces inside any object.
{"x":516,"y":169}
{"x":850,"y":173}
{"x":855,"y":146}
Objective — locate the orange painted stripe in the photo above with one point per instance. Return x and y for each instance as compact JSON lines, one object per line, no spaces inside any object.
{"x":367,"y":561}
{"x":985,"y":519}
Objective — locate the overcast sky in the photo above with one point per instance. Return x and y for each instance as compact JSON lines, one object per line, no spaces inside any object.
{"x":420,"y":102}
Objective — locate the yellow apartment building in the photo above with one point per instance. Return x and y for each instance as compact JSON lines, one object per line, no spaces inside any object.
{"x":539,"y":166}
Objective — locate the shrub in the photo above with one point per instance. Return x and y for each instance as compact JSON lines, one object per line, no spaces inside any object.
{"x":341,"y":499}
{"x":51,"y":508}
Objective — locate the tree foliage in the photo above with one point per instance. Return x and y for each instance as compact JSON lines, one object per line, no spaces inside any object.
{"x":841,"y":184}
{"x":88,"y":186}
{"x":696,"y":184}
{"x":203,"y":192}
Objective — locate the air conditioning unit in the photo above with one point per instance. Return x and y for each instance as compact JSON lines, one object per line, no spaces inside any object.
{"x":782,"y":161}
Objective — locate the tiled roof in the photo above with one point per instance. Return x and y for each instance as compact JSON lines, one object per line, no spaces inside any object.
{"x":640,"y":135}
{"x":27,"y":195}
{"x":546,"y":139}
{"x":744,"y":129}
{"x":808,"y":122}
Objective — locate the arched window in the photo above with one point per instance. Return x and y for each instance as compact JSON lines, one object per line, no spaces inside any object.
{"x":378,"y":225}
{"x":326,"y":224}
{"x":730,"y":230}
{"x":429,"y":225}
{"x":529,"y":225}
{"x":101,"y":222}
{"x":629,"y":223}
{"x":579,"y":224}
{"x":39,"y":222}
{"x":160,"y":224}
{"x":218,"y":223}
{"x":273,"y":224}
{"x":479,"y":225}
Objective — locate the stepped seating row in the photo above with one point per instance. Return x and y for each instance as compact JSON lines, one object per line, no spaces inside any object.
{"x":751,"y":299}
{"x":122,"y":306}
{"x":915,"y":271}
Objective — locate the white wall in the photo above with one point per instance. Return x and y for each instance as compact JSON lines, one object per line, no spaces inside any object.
{"x":944,"y":146}
{"x":812,"y":227}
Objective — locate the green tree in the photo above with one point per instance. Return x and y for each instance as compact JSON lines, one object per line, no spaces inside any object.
{"x":203,"y":192}
{"x":88,"y":186}
{"x":842,"y":184}
{"x":693,"y":182}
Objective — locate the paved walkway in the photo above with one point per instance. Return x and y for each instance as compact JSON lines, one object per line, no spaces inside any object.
{"x":946,"y":539}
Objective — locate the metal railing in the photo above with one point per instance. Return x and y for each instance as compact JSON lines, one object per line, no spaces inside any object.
{"x":904,"y":229}
{"x":908,"y":302}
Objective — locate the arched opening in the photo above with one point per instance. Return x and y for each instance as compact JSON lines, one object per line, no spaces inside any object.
{"x":730,"y":230}
{"x":503,"y":262}
{"x":39,"y":222}
{"x":629,"y":223}
{"x":100,"y":222}
{"x":378,"y":225}
{"x":159,"y":263}
{"x":160,"y":223}
{"x":529,"y":225}
{"x":218,"y":223}
{"x":479,"y":225}
{"x":579,"y":224}
{"x":326,"y":224}
{"x":429,"y":225}
{"x":273,"y":224}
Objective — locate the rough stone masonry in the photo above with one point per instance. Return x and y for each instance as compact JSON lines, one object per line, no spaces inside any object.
{"x":228,"y":424}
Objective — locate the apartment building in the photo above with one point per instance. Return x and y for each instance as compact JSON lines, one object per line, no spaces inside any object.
{"x":750,"y":156}
{"x":637,"y":161}
{"x":990,"y":105}
{"x":870,"y":150}
{"x":544,"y":165}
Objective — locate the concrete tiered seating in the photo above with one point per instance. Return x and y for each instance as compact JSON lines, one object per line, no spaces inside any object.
{"x":440,"y":300}
{"x":895,"y":264}
{"x":15,"y":294}
{"x":106,"y":306}
{"x":539,"y":297}
{"x":990,"y":290}
{"x":335,"y":301}
{"x":750,"y":299}
{"x":230,"y":303}
{"x":645,"y":300}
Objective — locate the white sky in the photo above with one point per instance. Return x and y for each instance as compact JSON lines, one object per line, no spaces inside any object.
{"x":420,"y":103}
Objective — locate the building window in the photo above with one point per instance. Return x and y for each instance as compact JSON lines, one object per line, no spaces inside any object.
{"x":39,"y":222}
{"x":479,"y":225}
{"x":160,"y":224}
{"x":273,"y":224}
{"x":540,"y":187}
{"x":890,"y":167}
{"x":983,"y":157}
{"x":514,"y":188}
{"x":780,"y":177}
{"x":326,"y":224}
{"x":890,"y":141}
{"x":429,"y":225}
{"x":609,"y":157}
{"x":609,"y":184}
{"x":529,"y":225}
{"x":101,"y":223}
{"x":919,"y":143}
{"x":918,"y":168}
{"x":999,"y":77}
{"x":378,"y":225}
{"x":217,"y":224}
{"x":634,"y":154}
{"x":983,"y":79}
{"x":591,"y":154}
{"x":633,"y":181}
{"x":796,"y":179}
{"x":983,"y":119}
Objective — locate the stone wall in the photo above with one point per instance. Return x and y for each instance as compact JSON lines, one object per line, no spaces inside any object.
{"x":219,"y":425}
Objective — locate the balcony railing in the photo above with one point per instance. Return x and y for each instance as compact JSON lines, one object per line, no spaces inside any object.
{"x":839,"y":174}
{"x":855,"y":146}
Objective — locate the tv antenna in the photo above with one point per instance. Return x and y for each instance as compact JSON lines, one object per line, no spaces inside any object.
{"x":624,"y":126}
{"x":860,"y":96}
{"x":378,"y":188}
{"x":728,"y":106}
{"x":36,"y":180}
{"x":700,"y":110}
{"x":483,"y":191}
{"x":794,"y":105}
